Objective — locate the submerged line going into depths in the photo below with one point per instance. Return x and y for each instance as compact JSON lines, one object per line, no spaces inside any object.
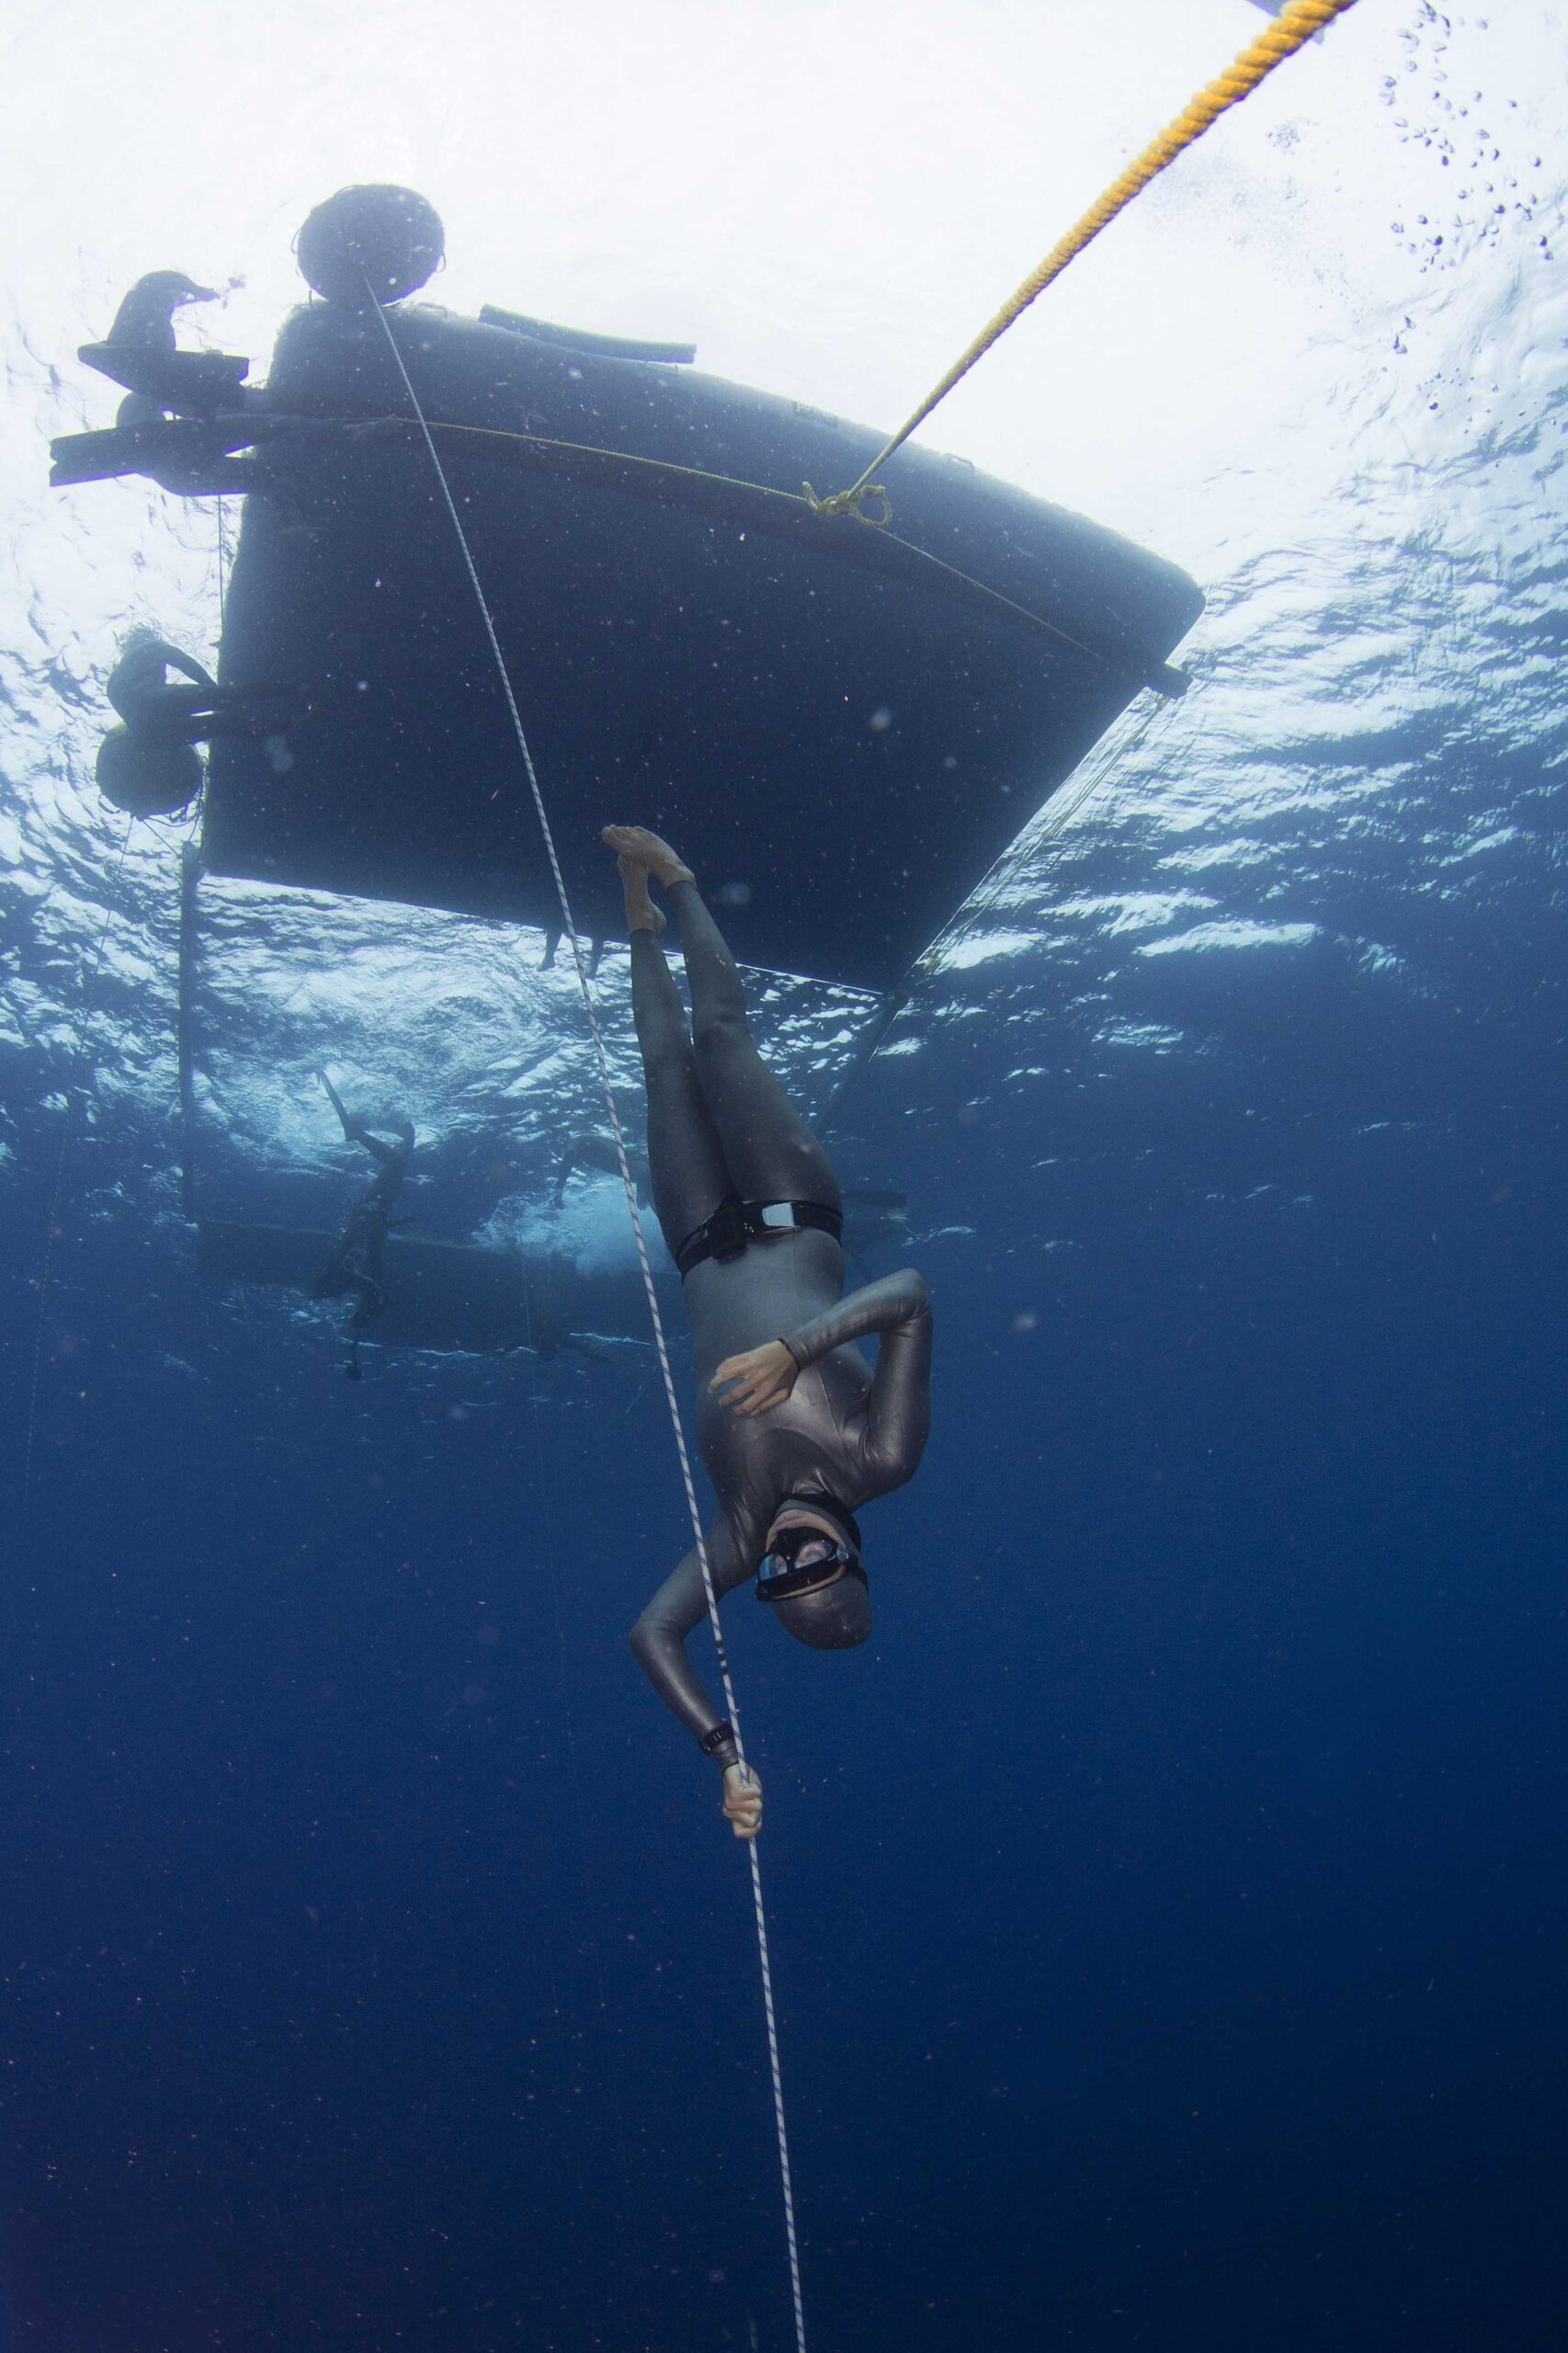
{"x":52,"y":1229}
{"x":608,"y":1088}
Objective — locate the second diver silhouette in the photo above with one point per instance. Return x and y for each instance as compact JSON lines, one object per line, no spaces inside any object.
{"x":354,"y":1265}
{"x":148,"y":764}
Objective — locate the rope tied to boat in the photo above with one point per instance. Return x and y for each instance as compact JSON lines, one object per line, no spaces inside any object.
{"x":1295,"y":26}
{"x":655,"y":1317}
{"x":1164,"y":681}
{"x":852,"y":502}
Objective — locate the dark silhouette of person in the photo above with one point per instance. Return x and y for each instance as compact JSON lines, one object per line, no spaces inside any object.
{"x":355,"y":1265}
{"x":191,"y":419}
{"x":149,"y":702}
{"x":145,"y":319}
{"x":161,"y":711}
{"x":796,"y":1431}
{"x":148,"y":764}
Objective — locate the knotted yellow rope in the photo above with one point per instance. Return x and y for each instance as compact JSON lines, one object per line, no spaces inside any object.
{"x":1296,"y":24}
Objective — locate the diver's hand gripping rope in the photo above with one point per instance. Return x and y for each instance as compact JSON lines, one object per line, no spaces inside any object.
{"x":1295,"y":25}
{"x":608,"y":1086}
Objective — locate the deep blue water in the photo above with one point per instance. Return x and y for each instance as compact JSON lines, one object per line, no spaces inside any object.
{"x":1168,"y":1906}
{"x":1169,"y":1917}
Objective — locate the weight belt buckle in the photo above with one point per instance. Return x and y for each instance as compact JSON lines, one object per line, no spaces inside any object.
{"x":727,"y":1234}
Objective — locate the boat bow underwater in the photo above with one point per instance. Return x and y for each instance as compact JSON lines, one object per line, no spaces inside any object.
{"x":858,"y":712}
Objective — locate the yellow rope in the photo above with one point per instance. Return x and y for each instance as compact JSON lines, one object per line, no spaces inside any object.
{"x":1296,"y":24}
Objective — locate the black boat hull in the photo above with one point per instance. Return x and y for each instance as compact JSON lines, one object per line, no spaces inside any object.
{"x":845,"y":725}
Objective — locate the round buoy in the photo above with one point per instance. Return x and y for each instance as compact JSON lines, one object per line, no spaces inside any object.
{"x":147,"y":778}
{"x":387,"y":237}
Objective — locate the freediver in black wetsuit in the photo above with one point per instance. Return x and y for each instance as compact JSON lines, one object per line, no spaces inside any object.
{"x":145,"y":319}
{"x":796,"y":1431}
{"x":353,"y":1267}
{"x":153,"y":705}
{"x":148,"y":764}
{"x":145,"y":697}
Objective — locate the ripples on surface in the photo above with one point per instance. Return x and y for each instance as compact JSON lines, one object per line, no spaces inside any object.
{"x":1303,"y":892}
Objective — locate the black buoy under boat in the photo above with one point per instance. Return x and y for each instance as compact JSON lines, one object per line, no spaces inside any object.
{"x":370,"y":245}
{"x":145,"y":776}
{"x":845,"y":724}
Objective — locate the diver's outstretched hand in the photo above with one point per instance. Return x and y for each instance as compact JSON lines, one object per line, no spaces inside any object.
{"x":742,"y":1801}
{"x":756,"y":1381}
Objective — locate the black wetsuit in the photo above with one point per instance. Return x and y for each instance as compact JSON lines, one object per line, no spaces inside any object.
{"x":355,"y":1265}
{"x":140,"y":690}
{"x":161,"y":712}
{"x":721,"y":1127}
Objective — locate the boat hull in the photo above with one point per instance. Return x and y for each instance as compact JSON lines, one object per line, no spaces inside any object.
{"x":842,"y":727}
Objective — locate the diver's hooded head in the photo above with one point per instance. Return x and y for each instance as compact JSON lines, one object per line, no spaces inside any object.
{"x":833,"y":1616}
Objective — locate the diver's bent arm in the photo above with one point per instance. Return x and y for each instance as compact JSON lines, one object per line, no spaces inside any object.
{"x":896,"y":1302}
{"x":658,"y":1639}
{"x":192,"y":668}
{"x":898,"y":1412}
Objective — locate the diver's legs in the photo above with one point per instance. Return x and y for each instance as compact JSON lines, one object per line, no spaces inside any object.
{"x":336,"y":1101}
{"x":685,"y":1160}
{"x":769,"y":1151}
{"x":641,"y":915}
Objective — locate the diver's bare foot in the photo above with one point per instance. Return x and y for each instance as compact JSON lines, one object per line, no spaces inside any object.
{"x":636,"y":842}
{"x":641,"y":915}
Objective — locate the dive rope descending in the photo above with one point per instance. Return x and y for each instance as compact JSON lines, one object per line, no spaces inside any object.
{"x":656,"y":1318}
{"x":1297,"y":23}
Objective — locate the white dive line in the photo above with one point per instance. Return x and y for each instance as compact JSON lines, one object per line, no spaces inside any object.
{"x":607,"y":1083}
